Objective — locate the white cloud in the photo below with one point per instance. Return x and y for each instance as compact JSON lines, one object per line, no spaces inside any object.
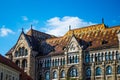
{"x":5,"y":31}
{"x":25,"y":18}
{"x":59,"y":26}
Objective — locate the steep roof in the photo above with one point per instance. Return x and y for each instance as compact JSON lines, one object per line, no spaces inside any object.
{"x":90,"y":37}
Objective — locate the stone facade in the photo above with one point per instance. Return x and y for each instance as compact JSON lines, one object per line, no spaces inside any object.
{"x":90,"y":53}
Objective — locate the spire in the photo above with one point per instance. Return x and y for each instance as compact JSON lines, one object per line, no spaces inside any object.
{"x":102,"y":20}
{"x":22,"y":29}
{"x":31,"y":26}
{"x":69,"y":27}
{"x":31,"y":30}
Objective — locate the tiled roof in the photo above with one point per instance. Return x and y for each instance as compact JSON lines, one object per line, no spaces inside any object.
{"x":90,"y":37}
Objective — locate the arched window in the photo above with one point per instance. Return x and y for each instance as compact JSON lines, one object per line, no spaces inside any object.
{"x":54,"y":75}
{"x":73,"y":72}
{"x":22,"y":51}
{"x":87,"y":58}
{"x":106,"y":57}
{"x":1,"y":76}
{"x":108,"y":70}
{"x":99,"y":57}
{"x":118,"y":69}
{"x":56,"y":62}
{"x":47,"y":75}
{"x":63,"y":61}
{"x":16,"y":54}
{"x":24,"y":63}
{"x":88,"y":72}
{"x":91,"y":58}
{"x":98,"y":71}
{"x":110,"y":56}
{"x":76,"y":59}
{"x":18,"y":63}
{"x":117,"y":55}
{"x":53,"y":63}
{"x":26,"y":52}
{"x":62,"y":74}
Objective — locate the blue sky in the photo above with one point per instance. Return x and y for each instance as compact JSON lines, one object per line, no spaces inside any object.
{"x":52,"y":16}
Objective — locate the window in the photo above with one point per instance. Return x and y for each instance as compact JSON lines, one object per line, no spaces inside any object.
{"x":110,"y":56}
{"x":62,"y":74}
{"x":88,"y":72}
{"x":117,"y":55}
{"x":91,"y":58}
{"x":76,"y":59}
{"x":87,"y":58}
{"x":24,"y":63}
{"x":98,"y":71}
{"x":21,"y":52}
{"x":26,"y":52}
{"x":18,"y":63}
{"x":106,"y":57}
{"x":73,"y":72}
{"x":118,"y":69}
{"x":109,"y":70}
{"x":1,"y":78}
{"x":47,"y":75}
{"x":54,"y":75}
{"x":63,"y":61}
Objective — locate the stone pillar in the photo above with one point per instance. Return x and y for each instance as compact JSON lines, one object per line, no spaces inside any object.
{"x":103,"y":71}
{"x":114,"y":71}
{"x":93,"y":71}
{"x":80,"y":70}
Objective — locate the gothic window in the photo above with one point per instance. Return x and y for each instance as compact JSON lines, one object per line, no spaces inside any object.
{"x":70,"y":59}
{"x":88,"y":72}
{"x":62,"y":74}
{"x":24,"y":63}
{"x":118,"y":69}
{"x":53,"y":62}
{"x":47,"y":65}
{"x":1,"y":77}
{"x":110,"y":56}
{"x":73,"y":72}
{"x":20,"y":51}
{"x":91,"y":58}
{"x":87,"y":58}
{"x":76,"y":59}
{"x":99,"y":57}
{"x":98,"y":71}
{"x":47,"y":75}
{"x":108,"y":70}
{"x":106,"y":57}
{"x":16,"y":54}
{"x":26,"y":52}
{"x":18,"y":63}
{"x":56,"y":62}
{"x":54,"y":75}
{"x":63,"y":61}
{"x":117,"y":55}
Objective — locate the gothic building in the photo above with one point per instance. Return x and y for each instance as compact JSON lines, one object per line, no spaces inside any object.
{"x":89,"y":53}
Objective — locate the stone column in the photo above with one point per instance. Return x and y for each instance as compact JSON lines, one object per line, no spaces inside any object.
{"x":93,"y":71}
{"x":81,"y":60}
{"x":114,"y":71}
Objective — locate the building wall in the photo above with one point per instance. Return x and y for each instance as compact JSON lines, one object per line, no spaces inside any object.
{"x":8,"y":73}
{"x":93,"y":61}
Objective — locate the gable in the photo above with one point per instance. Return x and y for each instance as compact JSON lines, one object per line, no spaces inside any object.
{"x":73,"y":45}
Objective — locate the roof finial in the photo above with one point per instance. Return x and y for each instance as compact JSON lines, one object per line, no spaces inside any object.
{"x":102,"y":20}
{"x":22,"y":29}
{"x":31,"y":26}
{"x":69,"y":27}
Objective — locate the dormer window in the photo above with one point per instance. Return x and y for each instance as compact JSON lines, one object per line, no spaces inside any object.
{"x":104,"y":42}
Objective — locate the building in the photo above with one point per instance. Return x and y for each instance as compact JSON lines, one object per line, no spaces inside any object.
{"x":89,"y":53}
{"x":10,"y":71}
